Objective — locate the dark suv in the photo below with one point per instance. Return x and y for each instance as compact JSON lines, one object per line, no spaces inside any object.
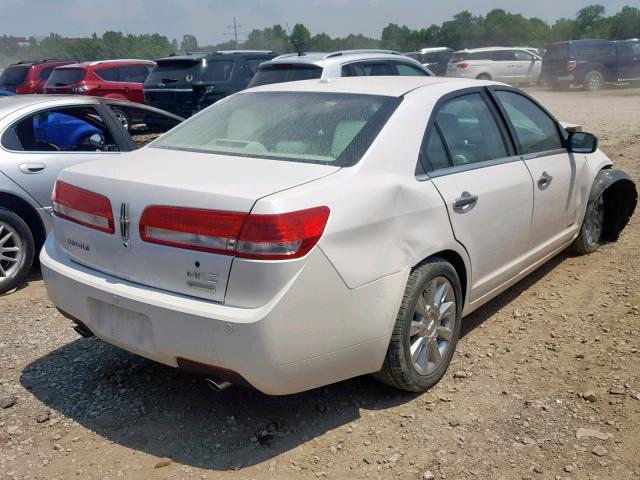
{"x":591,"y":63}
{"x":28,"y":76}
{"x":435,"y":59}
{"x":186,"y":84}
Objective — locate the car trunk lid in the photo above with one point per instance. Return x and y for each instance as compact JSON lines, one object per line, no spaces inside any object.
{"x":154,"y":176}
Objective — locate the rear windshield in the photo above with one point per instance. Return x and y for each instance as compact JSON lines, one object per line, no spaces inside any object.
{"x":14,"y":75}
{"x":557,"y":51}
{"x":284,"y":73}
{"x":61,"y":77}
{"x":307,"y":127}
{"x":174,"y":71}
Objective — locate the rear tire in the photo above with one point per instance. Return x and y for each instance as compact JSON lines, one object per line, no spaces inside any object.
{"x":123,"y":118}
{"x":593,"y":81}
{"x":427,"y":328}
{"x":17,"y":250}
{"x":588,"y":239}
{"x":483,"y":76}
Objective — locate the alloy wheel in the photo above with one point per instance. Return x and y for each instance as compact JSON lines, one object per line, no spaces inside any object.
{"x":11,"y":251}
{"x":594,"y":81}
{"x":594,"y":218}
{"x":431,"y":331}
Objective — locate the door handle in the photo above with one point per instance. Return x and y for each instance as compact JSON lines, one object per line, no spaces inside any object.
{"x":465,"y":202}
{"x":30,"y":168}
{"x":544,"y":181}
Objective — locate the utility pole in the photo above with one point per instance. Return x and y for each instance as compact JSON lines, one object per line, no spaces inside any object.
{"x":235,"y":33}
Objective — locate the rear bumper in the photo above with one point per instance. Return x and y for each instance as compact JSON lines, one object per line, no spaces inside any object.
{"x":313,"y":333}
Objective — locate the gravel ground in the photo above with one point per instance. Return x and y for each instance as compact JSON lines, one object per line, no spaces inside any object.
{"x":545,"y":384}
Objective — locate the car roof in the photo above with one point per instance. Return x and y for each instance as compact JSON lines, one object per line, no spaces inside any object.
{"x":395,"y":86}
{"x":490,"y":49}
{"x":124,"y":61}
{"x":322,"y":59}
{"x":195,"y":56}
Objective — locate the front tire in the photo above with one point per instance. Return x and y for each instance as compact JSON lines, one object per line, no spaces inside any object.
{"x":17,"y":250}
{"x":588,"y":239}
{"x":427,"y":328}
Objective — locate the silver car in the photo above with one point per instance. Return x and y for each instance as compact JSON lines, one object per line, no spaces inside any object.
{"x":344,"y":63}
{"x":41,"y":135}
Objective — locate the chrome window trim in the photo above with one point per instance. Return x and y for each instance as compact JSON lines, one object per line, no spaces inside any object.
{"x":471,"y":166}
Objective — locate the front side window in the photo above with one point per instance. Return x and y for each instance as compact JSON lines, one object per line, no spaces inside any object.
{"x":535,"y":131}
{"x":74,"y":129}
{"x":217,"y":70}
{"x":407,"y":70}
{"x":522,"y":56}
{"x":470,"y":130}
{"x":328,"y":128}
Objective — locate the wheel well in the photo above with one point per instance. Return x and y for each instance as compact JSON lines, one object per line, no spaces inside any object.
{"x":25,"y":211}
{"x":620,"y":200}
{"x":457,"y":263}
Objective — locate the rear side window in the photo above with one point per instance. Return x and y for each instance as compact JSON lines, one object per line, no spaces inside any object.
{"x":133,"y":73}
{"x":108,"y":74}
{"x":407,"y":70}
{"x":280,"y":73}
{"x":14,"y":75}
{"x":61,"y":77}
{"x":593,"y":49}
{"x":502,"y":55}
{"x":143,"y":125}
{"x":434,"y":151}
{"x":535,"y":130}
{"x":470,"y":131}
{"x":217,"y":71}
{"x":557,"y":51}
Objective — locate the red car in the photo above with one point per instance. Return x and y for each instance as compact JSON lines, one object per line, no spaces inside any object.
{"x":121,"y":79}
{"x":28,"y":76}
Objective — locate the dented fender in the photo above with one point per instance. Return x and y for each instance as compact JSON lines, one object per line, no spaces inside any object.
{"x":620,"y":200}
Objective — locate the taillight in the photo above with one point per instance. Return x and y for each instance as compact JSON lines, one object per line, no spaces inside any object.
{"x":264,"y":237}
{"x":571,"y":65}
{"x":27,"y":87}
{"x":462,"y":65}
{"x":204,"y":230}
{"x":82,"y":206}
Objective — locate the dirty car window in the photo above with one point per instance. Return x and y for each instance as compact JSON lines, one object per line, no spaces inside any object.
{"x":328,"y":128}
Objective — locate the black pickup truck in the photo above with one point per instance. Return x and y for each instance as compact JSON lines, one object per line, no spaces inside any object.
{"x":591,"y":63}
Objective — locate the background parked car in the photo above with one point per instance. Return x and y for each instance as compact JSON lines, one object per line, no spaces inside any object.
{"x":345,"y":63}
{"x":591,"y":63}
{"x":509,"y":65}
{"x":121,"y":79}
{"x":41,"y":137}
{"x":28,"y":76}
{"x":435,"y":59}
{"x":186,"y":84}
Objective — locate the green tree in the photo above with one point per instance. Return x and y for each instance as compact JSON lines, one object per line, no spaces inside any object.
{"x":189,"y":43}
{"x":300,"y":37}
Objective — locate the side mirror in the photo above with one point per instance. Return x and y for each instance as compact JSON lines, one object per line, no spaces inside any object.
{"x":582,"y":142}
{"x":96,"y":140}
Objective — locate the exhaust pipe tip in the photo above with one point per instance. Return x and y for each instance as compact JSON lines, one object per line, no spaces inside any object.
{"x":217,"y":385}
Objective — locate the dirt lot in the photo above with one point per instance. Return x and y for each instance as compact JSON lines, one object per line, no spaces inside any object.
{"x":545,"y":384}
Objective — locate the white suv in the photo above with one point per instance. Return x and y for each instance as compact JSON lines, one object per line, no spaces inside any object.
{"x":509,"y":65}
{"x":346,"y":63}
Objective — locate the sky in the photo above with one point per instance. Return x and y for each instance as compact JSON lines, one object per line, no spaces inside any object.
{"x":208,"y":19}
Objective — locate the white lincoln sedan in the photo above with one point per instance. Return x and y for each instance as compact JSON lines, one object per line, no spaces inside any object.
{"x":298,"y":234}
